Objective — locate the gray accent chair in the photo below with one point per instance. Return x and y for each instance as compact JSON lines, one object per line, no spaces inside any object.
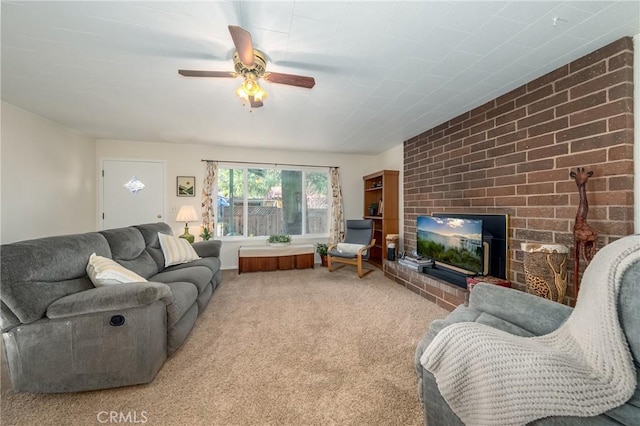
{"x":524,"y":314}
{"x":62,"y":334}
{"x":358,"y":232}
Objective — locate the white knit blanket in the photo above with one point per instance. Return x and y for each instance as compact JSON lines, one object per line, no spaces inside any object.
{"x":584,"y":368}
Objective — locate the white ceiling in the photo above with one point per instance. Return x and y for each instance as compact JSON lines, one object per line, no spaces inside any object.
{"x":385,"y":71}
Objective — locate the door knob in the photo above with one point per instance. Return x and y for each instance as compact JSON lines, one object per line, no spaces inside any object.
{"x":159,"y":216}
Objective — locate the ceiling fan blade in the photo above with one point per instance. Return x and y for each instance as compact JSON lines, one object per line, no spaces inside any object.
{"x":290,"y":79}
{"x":244,"y":45}
{"x":196,"y":73}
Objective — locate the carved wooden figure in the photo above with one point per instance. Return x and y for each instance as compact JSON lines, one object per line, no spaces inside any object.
{"x":584,"y":236}
{"x":545,"y":270}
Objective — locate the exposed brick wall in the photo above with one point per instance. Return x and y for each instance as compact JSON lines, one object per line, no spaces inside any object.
{"x":514,"y":154}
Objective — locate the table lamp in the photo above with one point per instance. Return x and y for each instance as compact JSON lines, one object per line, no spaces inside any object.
{"x":187,"y":214}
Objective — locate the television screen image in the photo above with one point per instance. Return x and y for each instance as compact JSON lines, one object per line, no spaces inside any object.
{"x":452,"y":241}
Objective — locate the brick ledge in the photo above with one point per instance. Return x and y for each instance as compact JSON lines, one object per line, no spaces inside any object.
{"x":442,"y":293}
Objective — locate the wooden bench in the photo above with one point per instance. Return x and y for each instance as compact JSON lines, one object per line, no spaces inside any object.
{"x":271,"y":258}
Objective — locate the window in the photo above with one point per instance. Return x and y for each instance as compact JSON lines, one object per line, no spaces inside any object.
{"x":265,"y":201}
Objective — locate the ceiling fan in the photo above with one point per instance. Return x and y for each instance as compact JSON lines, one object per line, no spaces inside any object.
{"x":251,"y":64}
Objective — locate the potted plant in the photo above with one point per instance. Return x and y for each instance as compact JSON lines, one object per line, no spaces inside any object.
{"x":373,"y":209}
{"x":279,"y":240}
{"x":206,"y":235}
{"x":321,"y":249}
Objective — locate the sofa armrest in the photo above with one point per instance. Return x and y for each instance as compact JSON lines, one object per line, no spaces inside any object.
{"x":109,"y":298}
{"x":209,"y":248}
{"x":532,"y":313}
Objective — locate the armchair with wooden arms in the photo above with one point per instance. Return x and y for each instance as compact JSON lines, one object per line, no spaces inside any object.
{"x":355,"y":249}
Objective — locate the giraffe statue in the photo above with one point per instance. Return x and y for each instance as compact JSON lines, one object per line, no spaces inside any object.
{"x":584,"y":236}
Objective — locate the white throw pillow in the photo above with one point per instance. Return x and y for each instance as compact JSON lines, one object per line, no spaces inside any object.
{"x":350,"y":248}
{"x":176,"y":250}
{"x":104,"y":271}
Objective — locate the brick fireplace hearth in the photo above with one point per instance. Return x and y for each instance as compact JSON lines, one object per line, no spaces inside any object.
{"x":513,"y":156}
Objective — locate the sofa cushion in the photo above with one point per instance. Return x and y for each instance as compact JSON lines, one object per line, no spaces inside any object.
{"x":517,"y":307}
{"x":36,"y":273}
{"x":149,"y":232}
{"x":184,"y":296}
{"x":464,"y":313}
{"x":200,"y":276}
{"x":500,"y":324}
{"x":176,"y":250}
{"x":178,"y":332}
{"x":104,"y":271}
{"x":213,"y":263}
{"x":128,"y":249}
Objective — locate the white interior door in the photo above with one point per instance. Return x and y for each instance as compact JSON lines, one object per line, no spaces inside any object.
{"x":132,"y":192}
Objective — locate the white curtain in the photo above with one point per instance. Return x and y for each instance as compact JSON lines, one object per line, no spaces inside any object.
{"x":336,"y":235}
{"x":208,"y":202}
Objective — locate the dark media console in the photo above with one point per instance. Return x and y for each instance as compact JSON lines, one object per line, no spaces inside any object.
{"x":453,"y":277}
{"x":431,"y":268}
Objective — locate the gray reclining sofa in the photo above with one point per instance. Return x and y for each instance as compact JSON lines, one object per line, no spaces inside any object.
{"x":527,"y":315}
{"x":62,"y":334}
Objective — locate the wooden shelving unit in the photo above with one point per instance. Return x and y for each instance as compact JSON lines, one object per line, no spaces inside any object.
{"x":381,"y":186}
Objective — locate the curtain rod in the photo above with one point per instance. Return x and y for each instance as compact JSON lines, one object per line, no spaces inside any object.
{"x":263,"y":163}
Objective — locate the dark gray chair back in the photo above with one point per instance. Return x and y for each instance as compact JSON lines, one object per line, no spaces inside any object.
{"x":359,"y":231}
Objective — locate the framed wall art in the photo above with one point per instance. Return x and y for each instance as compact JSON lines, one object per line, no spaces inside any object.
{"x":186,"y":186}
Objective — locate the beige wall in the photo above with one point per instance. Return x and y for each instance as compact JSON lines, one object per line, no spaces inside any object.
{"x":50,"y":175}
{"x":185,"y":160}
{"x":48,"y":178}
{"x":48,"y":183}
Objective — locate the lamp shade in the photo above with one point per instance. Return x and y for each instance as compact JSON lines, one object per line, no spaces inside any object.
{"x":187,"y":214}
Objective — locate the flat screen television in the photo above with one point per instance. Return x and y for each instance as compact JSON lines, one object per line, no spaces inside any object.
{"x":453,"y":242}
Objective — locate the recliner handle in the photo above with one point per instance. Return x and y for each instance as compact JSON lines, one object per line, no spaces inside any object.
{"x":117,"y":321}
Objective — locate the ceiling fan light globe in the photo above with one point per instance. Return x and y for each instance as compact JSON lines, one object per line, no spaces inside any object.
{"x":251,"y":86}
{"x":260,"y":95}
{"x":242,"y":93}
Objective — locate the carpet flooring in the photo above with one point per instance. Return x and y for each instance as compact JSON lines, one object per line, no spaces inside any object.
{"x":299,"y":347}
